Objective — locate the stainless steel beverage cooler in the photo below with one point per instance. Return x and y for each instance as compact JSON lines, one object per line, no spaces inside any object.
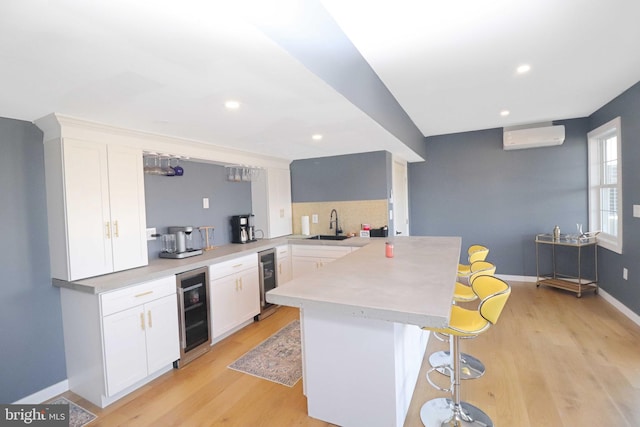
{"x":193,"y":309}
{"x":268,"y":281}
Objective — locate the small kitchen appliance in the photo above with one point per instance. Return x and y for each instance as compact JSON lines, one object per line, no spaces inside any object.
{"x":183,"y":246}
{"x":242,"y":229}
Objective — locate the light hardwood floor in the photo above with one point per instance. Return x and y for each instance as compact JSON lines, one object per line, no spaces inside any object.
{"x":552,"y":360}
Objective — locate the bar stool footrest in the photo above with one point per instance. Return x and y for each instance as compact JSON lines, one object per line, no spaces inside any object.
{"x":433,"y":384}
{"x":470,"y":367}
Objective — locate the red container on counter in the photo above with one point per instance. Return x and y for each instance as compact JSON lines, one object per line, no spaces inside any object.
{"x":388,"y":250}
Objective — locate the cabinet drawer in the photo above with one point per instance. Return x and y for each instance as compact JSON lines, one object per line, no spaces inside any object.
{"x":232,"y":266}
{"x":131,"y":296}
{"x":283,"y":251}
{"x":320,"y":251}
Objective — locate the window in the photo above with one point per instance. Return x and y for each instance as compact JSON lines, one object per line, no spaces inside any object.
{"x":605,"y":185}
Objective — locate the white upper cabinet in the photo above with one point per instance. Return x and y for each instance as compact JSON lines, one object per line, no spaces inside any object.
{"x":271,"y":202}
{"x":95,"y":200}
{"x":128,"y":214}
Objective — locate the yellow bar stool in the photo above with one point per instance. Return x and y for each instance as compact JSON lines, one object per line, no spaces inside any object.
{"x":475,"y":253}
{"x":470,"y":366}
{"x":493,"y":293}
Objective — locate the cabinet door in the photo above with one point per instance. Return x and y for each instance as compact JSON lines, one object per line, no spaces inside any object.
{"x":162,"y":335}
{"x":279,"y":190}
{"x":125,"y":353}
{"x":248,"y":300}
{"x":284,"y":270}
{"x":271,"y":202}
{"x":283,"y":256}
{"x":324,"y":261}
{"x":128,"y":216}
{"x":304,"y":265}
{"x":87,"y":209}
{"x":223,"y":302}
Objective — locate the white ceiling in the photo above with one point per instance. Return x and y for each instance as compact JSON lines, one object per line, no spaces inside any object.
{"x":167,"y":67}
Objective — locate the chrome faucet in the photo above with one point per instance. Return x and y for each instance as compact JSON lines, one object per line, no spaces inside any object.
{"x":332,"y":221}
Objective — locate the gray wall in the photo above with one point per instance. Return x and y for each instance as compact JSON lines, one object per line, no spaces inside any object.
{"x":470,"y":187}
{"x":341,"y":178}
{"x":31,"y":340}
{"x":610,"y":264}
{"x":178,"y":201}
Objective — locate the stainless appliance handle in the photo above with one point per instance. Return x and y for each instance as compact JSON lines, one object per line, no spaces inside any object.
{"x":183,"y":329}
{"x":190,"y":288}
{"x":261,"y":271}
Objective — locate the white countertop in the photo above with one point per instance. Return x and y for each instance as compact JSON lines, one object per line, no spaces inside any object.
{"x":414,"y":287}
{"x":163,"y":267}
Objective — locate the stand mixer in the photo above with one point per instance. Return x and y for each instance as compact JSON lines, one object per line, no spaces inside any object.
{"x":183,"y":241}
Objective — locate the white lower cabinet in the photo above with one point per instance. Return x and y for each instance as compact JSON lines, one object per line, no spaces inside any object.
{"x":116,"y":341}
{"x":235,"y":293}
{"x":308,"y":258}
{"x":283,"y":258}
{"x":139,"y":341}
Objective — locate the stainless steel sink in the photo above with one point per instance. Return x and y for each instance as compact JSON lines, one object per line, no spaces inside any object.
{"x":327,"y":237}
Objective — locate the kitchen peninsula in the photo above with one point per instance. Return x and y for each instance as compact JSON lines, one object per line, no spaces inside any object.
{"x":360,"y":321}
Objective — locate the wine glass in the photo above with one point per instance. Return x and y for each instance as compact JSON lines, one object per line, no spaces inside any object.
{"x":167,"y":170}
{"x":175,"y":164}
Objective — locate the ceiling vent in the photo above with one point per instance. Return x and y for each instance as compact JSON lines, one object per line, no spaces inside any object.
{"x":532,"y":137}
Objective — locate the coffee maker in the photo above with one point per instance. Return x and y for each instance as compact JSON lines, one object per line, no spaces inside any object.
{"x":183,"y":244}
{"x":242,"y":229}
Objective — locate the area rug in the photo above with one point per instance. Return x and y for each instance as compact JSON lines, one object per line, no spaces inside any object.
{"x":78,"y":416}
{"x":277,"y":359}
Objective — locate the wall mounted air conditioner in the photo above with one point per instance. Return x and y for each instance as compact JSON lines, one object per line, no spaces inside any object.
{"x":532,"y":137}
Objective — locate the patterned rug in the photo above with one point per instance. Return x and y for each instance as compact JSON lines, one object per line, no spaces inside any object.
{"x":78,"y":416}
{"x":277,"y":359}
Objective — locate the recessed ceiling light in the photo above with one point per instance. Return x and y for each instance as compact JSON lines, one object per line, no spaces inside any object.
{"x":232,"y":105}
{"x":505,"y":113}
{"x":524,"y":68}
{"x":316,"y":137}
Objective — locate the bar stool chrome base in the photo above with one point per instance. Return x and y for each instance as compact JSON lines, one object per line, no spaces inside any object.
{"x":470,"y":367}
{"x":443,"y":412}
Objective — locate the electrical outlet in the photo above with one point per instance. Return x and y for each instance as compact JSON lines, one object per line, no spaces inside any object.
{"x":205,"y":203}
{"x":150,"y":233}
{"x":625,"y":274}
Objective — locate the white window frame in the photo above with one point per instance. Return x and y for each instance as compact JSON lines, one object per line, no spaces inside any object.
{"x":607,"y":130}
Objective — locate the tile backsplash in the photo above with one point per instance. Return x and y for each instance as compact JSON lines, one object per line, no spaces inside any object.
{"x":351,"y":215}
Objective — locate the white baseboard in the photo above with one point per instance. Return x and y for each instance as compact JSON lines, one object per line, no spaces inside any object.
{"x":507,"y":278}
{"x":604,"y":294}
{"x":621,"y":307}
{"x":44,"y":394}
